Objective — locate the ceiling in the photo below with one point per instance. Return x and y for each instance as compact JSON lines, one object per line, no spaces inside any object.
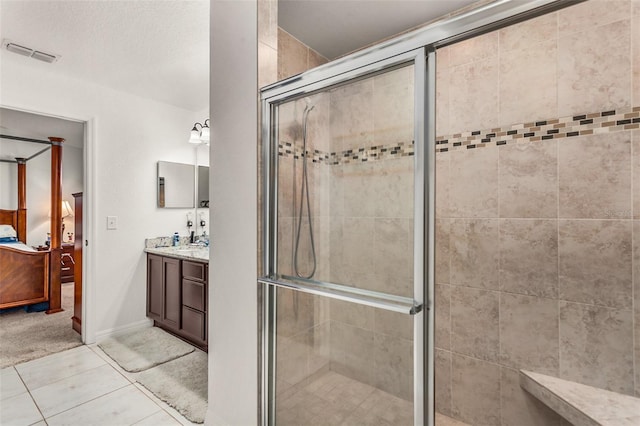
{"x":160,"y":49}
{"x":336,"y":27}
{"x":35,"y":126}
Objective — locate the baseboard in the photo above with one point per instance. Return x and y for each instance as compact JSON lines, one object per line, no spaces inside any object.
{"x":101,"y":335}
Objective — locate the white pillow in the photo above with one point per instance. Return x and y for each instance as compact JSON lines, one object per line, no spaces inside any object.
{"x":7,"y":231}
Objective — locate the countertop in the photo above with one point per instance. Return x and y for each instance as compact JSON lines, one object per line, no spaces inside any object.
{"x":186,"y":252}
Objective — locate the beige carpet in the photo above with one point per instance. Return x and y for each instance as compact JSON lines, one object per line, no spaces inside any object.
{"x":145,"y":348}
{"x":181,"y":383}
{"x":27,"y":336}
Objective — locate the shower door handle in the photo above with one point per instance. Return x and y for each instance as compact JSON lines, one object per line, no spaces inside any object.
{"x":393,"y":303}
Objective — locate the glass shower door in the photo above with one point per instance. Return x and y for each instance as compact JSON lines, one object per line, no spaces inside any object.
{"x":345,"y":281}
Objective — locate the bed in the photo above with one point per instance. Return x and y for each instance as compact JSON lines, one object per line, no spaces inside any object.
{"x":26,"y":275}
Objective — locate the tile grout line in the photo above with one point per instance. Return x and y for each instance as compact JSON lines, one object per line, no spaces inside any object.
{"x":30,"y":395}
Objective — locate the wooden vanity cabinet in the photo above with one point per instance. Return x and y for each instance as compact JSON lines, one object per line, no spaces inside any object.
{"x":194,"y":300}
{"x":177,"y":297}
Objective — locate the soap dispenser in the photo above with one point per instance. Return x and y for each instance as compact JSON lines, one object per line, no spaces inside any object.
{"x":176,"y":239}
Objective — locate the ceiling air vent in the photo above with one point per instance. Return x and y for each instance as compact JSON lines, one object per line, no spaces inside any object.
{"x":27,"y":51}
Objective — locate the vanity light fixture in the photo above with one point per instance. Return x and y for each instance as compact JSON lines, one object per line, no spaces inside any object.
{"x":202,"y":135}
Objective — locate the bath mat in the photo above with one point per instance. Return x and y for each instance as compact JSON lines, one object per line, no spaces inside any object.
{"x":181,"y":383}
{"x":143,"y":349}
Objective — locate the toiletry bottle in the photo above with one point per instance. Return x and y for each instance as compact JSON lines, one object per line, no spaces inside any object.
{"x":176,"y":239}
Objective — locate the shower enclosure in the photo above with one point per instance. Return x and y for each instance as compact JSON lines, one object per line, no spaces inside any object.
{"x":346,"y":290}
{"x":382,"y":305}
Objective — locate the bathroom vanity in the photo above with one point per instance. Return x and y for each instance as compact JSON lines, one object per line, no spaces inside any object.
{"x":177,"y":291}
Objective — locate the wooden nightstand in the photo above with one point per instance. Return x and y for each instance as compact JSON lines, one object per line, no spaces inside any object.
{"x":67,"y":263}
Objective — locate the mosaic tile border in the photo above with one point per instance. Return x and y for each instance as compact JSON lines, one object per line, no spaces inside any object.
{"x":558,"y":128}
{"x":565,"y":127}
{"x":359,"y":155}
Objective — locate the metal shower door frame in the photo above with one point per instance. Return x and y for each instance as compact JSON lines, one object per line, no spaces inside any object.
{"x":423,"y":227}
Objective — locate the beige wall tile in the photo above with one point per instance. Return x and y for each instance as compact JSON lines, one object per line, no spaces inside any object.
{"x":595,"y":262}
{"x":442,"y":92}
{"x":528,"y":182}
{"x":358,"y":243}
{"x":393,"y":257}
{"x":596,"y":346}
{"x":443,"y":60}
{"x":360,"y":316}
{"x":474,"y":49}
{"x":585,"y":16}
{"x":473,"y":96}
{"x":443,"y":184}
{"x":318,"y":124}
{"x":315,"y":59}
{"x":529,"y":257}
{"x":352,"y":352}
{"x":296,"y":313}
{"x":635,"y":149}
{"x":292,"y":55}
{"x":319,"y":347}
{"x":336,"y":191}
{"x":285,"y":245}
{"x":393,"y":364}
{"x":392,"y":183}
{"x":529,"y":333}
{"x":475,"y":253}
{"x":268,"y":23}
{"x":475,"y":191}
{"x":443,"y":316}
{"x":292,"y":358}
{"x":636,"y":303}
{"x":528,"y":79}
{"x":268,"y":60}
{"x":524,"y":34}
{"x":519,"y":408}
{"x":475,"y":391}
{"x":442,"y":251}
{"x":635,"y":37}
{"x":393,"y":324}
{"x":443,"y":382}
{"x":352,"y":114}
{"x":594,"y":69}
{"x":393,"y":101}
{"x":595,"y":176}
{"x":474,"y":323}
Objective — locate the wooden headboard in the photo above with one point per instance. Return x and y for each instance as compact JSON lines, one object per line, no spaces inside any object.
{"x":9,"y":217}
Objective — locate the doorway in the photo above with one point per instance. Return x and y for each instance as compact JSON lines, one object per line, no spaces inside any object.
{"x":76,"y":177}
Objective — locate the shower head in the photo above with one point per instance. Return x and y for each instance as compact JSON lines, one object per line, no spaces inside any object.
{"x":309,"y":103}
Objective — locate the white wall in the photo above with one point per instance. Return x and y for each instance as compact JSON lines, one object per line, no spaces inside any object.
{"x":39,"y":190}
{"x":233,"y":332}
{"x":131,"y":135}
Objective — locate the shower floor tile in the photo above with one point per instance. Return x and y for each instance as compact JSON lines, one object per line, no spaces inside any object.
{"x":442,"y":420}
{"x":333,"y":399}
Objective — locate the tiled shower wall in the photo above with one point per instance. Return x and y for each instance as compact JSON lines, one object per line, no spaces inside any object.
{"x":538,"y":208}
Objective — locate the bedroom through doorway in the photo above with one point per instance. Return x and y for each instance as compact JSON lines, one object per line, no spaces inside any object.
{"x":40,"y":301}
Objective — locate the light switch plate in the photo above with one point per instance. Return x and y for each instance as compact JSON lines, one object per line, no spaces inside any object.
{"x":112,"y":222}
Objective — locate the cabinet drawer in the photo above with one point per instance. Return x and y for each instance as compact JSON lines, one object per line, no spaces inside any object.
{"x":193,"y":270}
{"x":193,"y":323}
{"x":194,"y":295}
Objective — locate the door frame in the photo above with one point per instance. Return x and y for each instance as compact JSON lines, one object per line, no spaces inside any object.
{"x":89,"y":214}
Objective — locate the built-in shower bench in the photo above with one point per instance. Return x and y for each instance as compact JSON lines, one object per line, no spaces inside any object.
{"x":580,"y":404}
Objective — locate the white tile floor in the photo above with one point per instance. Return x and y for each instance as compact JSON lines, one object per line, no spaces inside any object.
{"x":79,"y":386}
